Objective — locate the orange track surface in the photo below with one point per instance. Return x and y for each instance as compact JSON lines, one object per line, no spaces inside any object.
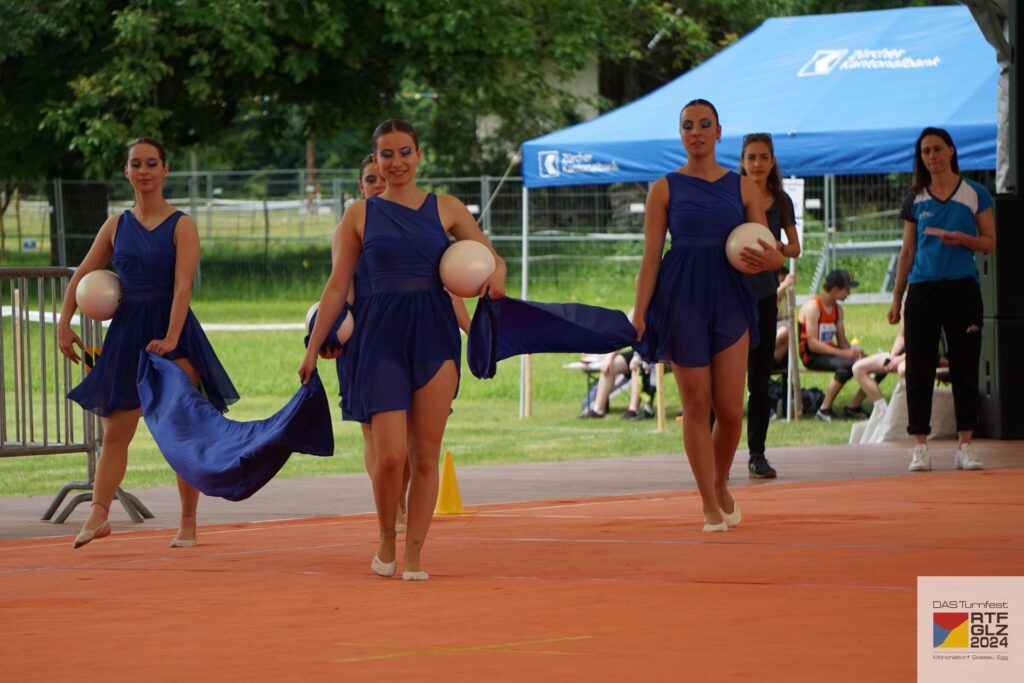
{"x":818,"y":583}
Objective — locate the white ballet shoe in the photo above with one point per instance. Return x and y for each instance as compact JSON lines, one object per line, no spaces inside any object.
{"x":712,"y":528}
{"x":86,"y":535}
{"x":180,"y":542}
{"x":381,"y":568}
{"x":400,"y":528}
{"x":732,"y":519}
{"x":415,"y":576}
{"x":101,"y":531}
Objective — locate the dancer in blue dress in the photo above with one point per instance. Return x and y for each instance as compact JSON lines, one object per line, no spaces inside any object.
{"x":155,"y":249}
{"x":372,"y":183}
{"x":697,"y":311}
{"x":405,"y":349}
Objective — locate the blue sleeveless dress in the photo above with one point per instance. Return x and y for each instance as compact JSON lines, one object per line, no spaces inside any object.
{"x":361,"y":283}
{"x":405,"y":326}
{"x":701,"y":304}
{"x":144,"y":260}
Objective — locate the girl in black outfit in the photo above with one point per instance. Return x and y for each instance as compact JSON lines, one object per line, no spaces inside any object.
{"x":757,"y":160}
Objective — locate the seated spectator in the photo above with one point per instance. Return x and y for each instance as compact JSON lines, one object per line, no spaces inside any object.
{"x":786,"y":282}
{"x":872,"y":369}
{"x":612,"y":365}
{"x":823,"y":342}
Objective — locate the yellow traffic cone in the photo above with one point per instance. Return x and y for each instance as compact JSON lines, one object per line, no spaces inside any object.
{"x":449,"y":502}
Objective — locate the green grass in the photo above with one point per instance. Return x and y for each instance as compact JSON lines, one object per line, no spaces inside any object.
{"x":484,"y":429}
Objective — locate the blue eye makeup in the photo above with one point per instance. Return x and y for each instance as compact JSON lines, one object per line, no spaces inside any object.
{"x":703,"y":123}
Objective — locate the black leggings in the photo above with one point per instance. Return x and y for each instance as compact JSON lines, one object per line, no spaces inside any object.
{"x":953,"y":307}
{"x":825,"y":361}
{"x":759,"y":370}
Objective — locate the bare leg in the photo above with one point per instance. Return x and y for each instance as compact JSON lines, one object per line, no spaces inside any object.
{"x":834,"y":387}
{"x":430,"y":407}
{"x":118,"y":431}
{"x":403,"y":502}
{"x":604,"y":384}
{"x":634,"y":391}
{"x":390,"y":444}
{"x":695,"y":389}
{"x":188,"y":495}
{"x":863,"y":371}
{"x":781,"y":344}
{"x":368,"y":458}
{"x":728,"y":372}
{"x":857,"y":400}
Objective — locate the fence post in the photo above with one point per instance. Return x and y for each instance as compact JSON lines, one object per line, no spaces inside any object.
{"x":830,"y":229}
{"x":485,"y":193}
{"x":193,"y":189}
{"x":302,"y":202}
{"x":209,"y":204}
{"x":337,"y":198}
{"x":58,"y":201}
{"x":525,"y":404}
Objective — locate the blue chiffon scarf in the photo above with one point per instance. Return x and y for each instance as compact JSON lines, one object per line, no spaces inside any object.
{"x":506,"y":327}
{"x":223,"y":457}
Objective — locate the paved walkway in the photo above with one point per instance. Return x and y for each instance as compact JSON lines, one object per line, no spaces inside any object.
{"x":351,"y":494}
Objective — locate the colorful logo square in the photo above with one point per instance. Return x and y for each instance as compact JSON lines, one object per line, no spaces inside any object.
{"x":950,"y":629}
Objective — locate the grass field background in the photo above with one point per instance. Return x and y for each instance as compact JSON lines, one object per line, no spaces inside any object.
{"x":484,"y":428}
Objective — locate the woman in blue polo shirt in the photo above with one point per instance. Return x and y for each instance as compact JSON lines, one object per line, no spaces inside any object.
{"x":946,"y":219}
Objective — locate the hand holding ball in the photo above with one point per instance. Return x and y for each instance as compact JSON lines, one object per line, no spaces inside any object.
{"x":465,"y":267}
{"x":98,"y":294}
{"x":742,"y":236}
{"x":344,"y":328}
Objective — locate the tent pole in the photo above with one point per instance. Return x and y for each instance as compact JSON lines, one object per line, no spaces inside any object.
{"x":525,"y":407}
{"x":830,"y":222}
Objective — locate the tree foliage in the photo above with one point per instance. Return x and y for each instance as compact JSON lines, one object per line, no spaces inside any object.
{"x":246,"y":83}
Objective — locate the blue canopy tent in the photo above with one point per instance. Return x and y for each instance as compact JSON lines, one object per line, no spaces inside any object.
{"x":840,"y":94}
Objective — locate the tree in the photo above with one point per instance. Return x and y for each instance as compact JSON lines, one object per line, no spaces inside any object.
{"x":251,"y":82}
{"x":87,"y":75}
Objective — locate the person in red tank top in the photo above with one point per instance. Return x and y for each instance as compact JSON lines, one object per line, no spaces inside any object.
{"x":823,"y":342}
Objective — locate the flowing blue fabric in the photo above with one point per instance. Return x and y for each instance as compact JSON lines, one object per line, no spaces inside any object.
{"x":507,"y":327}
{"x":223,"y":457}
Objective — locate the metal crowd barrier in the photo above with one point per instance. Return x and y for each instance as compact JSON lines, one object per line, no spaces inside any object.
{"x":35,"y":416}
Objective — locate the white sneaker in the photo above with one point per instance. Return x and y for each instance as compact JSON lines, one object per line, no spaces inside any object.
{"x":919,"y":460}
{"x":966,"y":459}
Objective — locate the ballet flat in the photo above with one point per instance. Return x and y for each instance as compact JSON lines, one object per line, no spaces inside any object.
{"x":381,"y":568}
{"x":415,"y":576}
{"x":86,"y":535}
{"x":710,"y":528}
{"x":185,"y":542}
{"x":732,"y":519}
